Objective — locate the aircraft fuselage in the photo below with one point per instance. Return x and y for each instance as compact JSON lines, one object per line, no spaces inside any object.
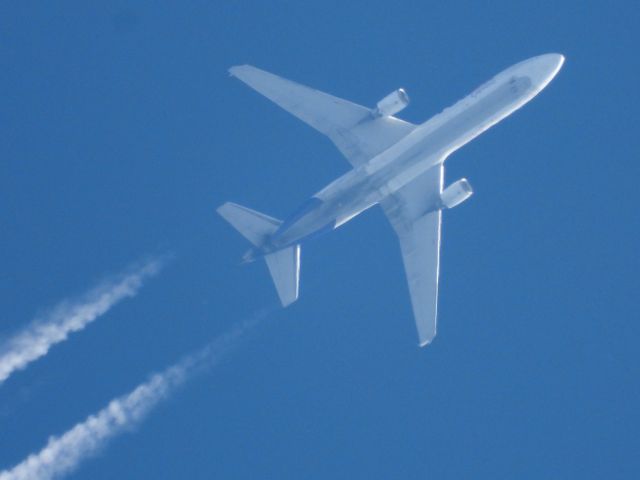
{"x":424,"y":148}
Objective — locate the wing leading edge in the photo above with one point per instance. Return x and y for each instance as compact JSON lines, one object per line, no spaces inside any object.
{"x":358,"y":134}
{"x":419,"y":235}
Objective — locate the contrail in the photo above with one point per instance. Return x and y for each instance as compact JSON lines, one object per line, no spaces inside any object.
{"x":36,"y":339}
{"x":63,"y":454}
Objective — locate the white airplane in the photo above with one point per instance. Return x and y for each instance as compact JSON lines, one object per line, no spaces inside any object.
{"x":396,"y":164}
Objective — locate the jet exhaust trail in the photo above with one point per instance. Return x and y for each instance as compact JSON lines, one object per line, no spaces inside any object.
{"x":37,"y":338}
{"x":64,"y":454}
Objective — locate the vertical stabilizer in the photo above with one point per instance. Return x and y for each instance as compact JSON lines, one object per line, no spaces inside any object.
{"x":284,"y":266}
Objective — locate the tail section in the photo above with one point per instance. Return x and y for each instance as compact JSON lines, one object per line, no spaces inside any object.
{"x":284,"y":265}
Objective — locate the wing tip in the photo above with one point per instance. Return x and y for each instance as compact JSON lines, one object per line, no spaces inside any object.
{"x":223,"y":210}
{"x":237,"y":70}
{"x":286,"y":301}
{"x":222,"y":206}
{"x":427,"y":340}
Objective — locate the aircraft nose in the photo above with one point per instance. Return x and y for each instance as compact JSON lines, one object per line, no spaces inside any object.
{"x":543,"y":68}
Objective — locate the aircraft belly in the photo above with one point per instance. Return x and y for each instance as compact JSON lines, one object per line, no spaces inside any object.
{"x":303,"y":228}
{"x":432,"y":143}
{"x":338,"y":203}
{"x":396,"y":167}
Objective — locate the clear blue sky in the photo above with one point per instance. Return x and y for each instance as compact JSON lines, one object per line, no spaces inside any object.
{"x":120,"y":132}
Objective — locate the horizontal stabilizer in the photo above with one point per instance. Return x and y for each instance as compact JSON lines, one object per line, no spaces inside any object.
{"x":254,"y":226}
{"x":284,"y":266}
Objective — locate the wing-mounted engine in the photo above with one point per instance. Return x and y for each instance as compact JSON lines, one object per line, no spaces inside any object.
{"x":456,"y":193}
{"x":391,"y":104}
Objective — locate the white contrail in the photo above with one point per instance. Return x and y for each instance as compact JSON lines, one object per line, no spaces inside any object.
{"x":63,"y":454}
{"x":36,"y":339}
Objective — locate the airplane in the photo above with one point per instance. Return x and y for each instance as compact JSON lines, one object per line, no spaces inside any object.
{"x":396,"y":164}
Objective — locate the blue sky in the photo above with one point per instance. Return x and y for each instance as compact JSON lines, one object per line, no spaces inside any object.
{"x":122,"y":132}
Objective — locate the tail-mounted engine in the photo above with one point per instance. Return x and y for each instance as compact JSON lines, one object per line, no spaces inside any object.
{"x":391,"y":104}
{"x":456,"y":193}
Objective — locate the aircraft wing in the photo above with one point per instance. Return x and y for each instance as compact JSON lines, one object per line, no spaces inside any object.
{"x":358,"y":135}
{"x":419,"y":235}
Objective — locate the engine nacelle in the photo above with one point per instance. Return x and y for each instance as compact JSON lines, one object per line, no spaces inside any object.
{"x":392,"y":103}
{"x":456,"y":193}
